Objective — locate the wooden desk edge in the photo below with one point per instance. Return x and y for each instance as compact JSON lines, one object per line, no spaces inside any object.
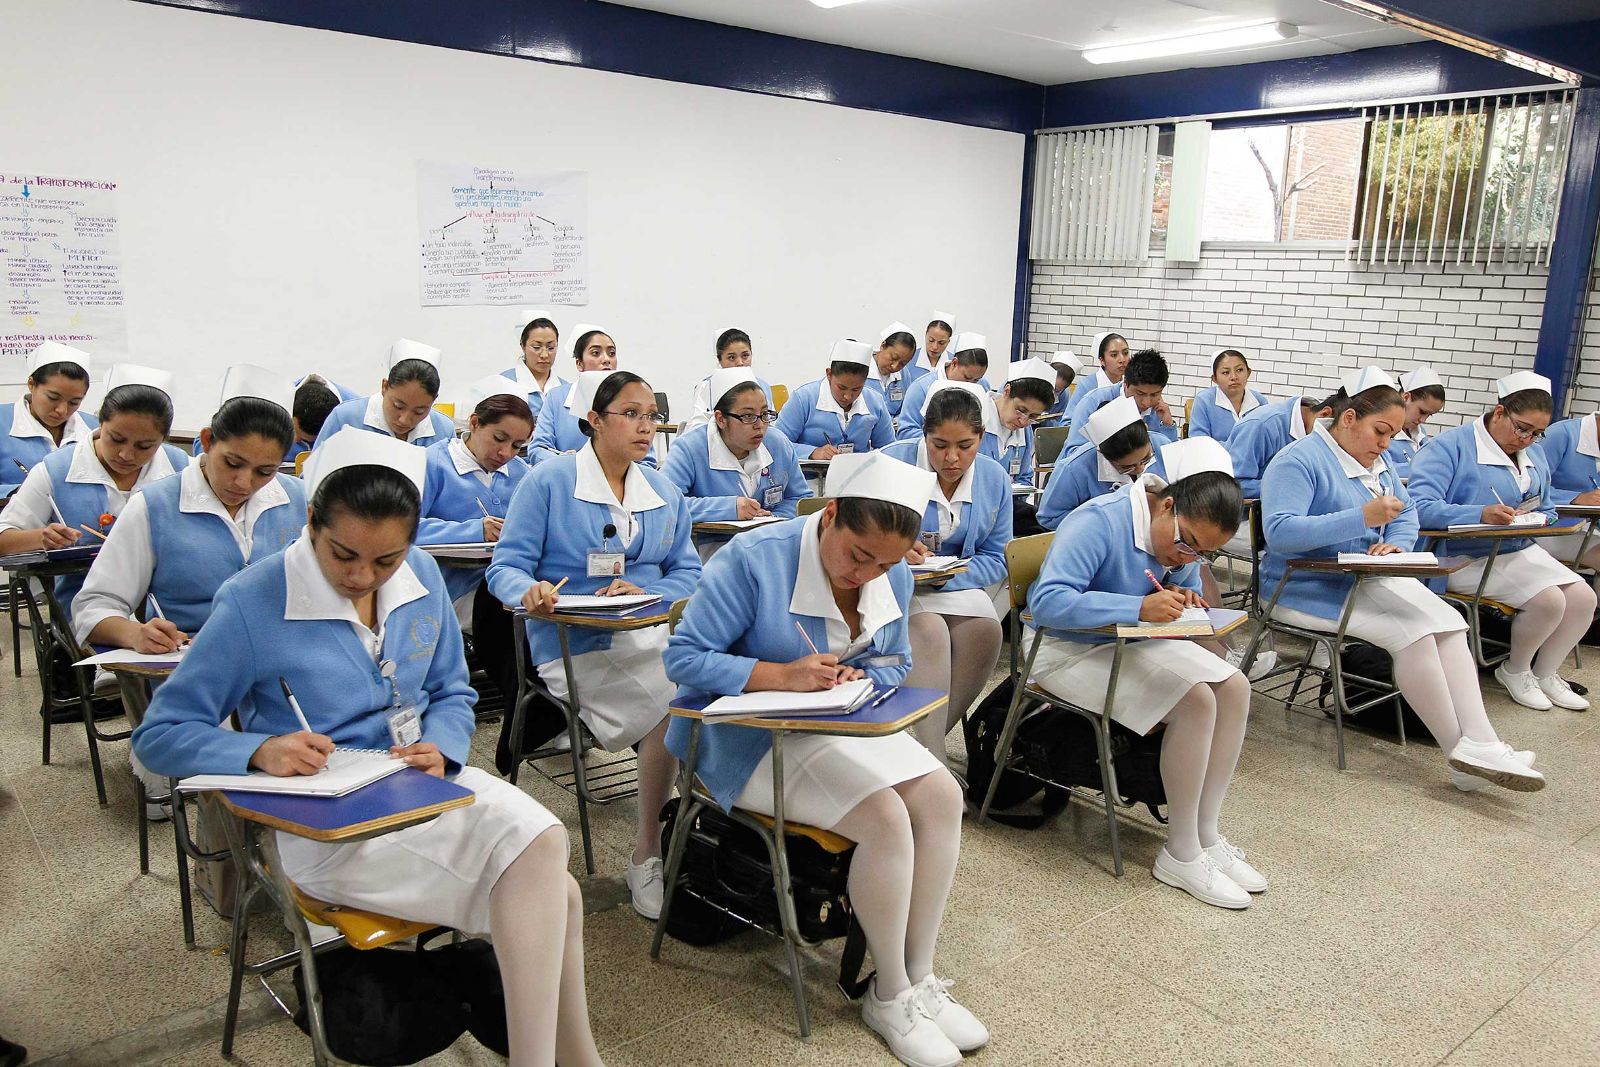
{"x":1393,"y":570}
{"x":395,"y":821}
{"x":820,"y":725}
{"x":1507,"y":533}
{"x":598,"y":622}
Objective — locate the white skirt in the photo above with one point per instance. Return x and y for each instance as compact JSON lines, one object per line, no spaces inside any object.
{"x":623,"y":690}
{"x":978,"y":602}
{"x":1517,"y":577}
{"x":440,"y":871}
{"x":826,"y":776}
{"x":1566,"y":548}
{"x":1154,"y":676}
{"x":1391,"y":613}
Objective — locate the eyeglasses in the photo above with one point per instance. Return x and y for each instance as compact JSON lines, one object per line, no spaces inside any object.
{"x":769,"y":417}
{"x":639,"y":418}
{"x":1132,"y":470}
{"x":1524,"y":433}
{"x":1183,"y":549}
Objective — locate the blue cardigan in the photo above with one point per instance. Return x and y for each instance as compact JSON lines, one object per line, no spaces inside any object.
{"x":1076,"y":479}
{"x":1258,"y":437}
{"x":740,"y":616}
{"x":27,"y":451}
{"x":713,"y":494}
{"x":1094,"y":574}
{"x":247,"y":645}
{"x":1402,"y":451}
{"x":809,"y":428}
{"x":450,"y":512}
{"x":549,"y":534}
{"x":354,"y":413}
{"x":1087,"y":404}
{"x":1571,"y":472}
{"x":1311,"y":508}
{"x":984,"y":530}
{"x":1451,"y":487}
{"x":1206,"y":419}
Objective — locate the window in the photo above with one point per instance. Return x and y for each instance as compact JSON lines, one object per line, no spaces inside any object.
{"x":1283,"y":183}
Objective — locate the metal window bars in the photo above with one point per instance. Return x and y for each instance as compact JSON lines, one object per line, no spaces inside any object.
{"x":1094,"y":190}
{"x":1463,"y":181}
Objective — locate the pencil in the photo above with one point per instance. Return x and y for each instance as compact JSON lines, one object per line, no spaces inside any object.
{"x":91,"y":529}
{"x":807,"y":637}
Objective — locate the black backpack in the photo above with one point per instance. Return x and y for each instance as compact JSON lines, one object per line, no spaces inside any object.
{"x":1060,"y":745}
{"x":725,"y":886}
{"x":1372,"y":662}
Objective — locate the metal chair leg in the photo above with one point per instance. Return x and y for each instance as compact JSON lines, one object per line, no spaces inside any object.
{"x":688,"y":808}
{"x":784,"y":888}
{"x":1108,"y":786}
{"x":144,"y":826}
{"x":13,"y":593}
{"x":580,"y":779}
{"x":236,"y":945}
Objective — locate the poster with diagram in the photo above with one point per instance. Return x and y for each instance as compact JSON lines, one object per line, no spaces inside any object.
{"x":497,"y":235}
{"x":60,"y":267}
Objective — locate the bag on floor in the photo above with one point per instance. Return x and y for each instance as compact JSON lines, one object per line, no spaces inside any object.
{"x":1372,"y":662}
{"x":1059,"y":745}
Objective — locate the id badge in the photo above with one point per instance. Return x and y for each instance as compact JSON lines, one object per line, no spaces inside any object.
{"x":405,"y":727}
{"x":844,"y":448}
{"x":772,"y":497}
{"x":931,"y":541}
{"x":1016,"y":464}
{"x":607,"y":564}
{"x":897,"y":392}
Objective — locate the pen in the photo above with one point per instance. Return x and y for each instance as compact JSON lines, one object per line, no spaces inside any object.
{"x":481,"y":507}
{"x":20,"y":466}
{"x":294,"y":705}
{"x":57,"y":512}
{"x":887,"y":693}
{"x":807,"y":638}
{"x":1502,"y":503}
{"x":156,"y":604}
{"x":1150,"y":575}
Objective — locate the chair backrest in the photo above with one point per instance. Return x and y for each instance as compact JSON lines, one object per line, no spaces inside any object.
{"x":664,"y":407}
{"x":810,"y":505}
{"x":1024,"y":559}
{"x":1048,"y":442}
{"x":675,"y":613}
{"x":300,"y":463}
{"x":1188,"y":415}
{"x":780,"y":396}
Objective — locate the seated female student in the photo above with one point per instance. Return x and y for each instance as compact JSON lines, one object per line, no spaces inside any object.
{"x":46,"y":416}
{"x":1067,"y":368}
{"x":802,"y":606}
{"x":1218,"y":409}
{"x":402,"y":407}
{"x":1117,"y":451}
{"x":1101,"y":566}
{"x":1572,"y":450}
{"x":735,"y":468}
{"x":1424,"y":396}
{"x":836,"y":414}
{"x":1483,"y":472}
{"x":87,"y":484}
{"x":1112,"y":352}
{"x":889,"y":373}
{"x":1334,"y":491}
{"x":733,"y":352}
{"x":612,"y":526}
{"x":1266,"y":431}
{"x":955,"y":629}
{"x":966,"y":360}
{"x":179,"y":539}
{"x":1145,"y":380}
{"x":534,"y":371}
{"x":936,"y":337}
{"x":470,"y":482}
{"x":560,"y":431}
{"x":1023,"y":402}
{"x":349,"y":602}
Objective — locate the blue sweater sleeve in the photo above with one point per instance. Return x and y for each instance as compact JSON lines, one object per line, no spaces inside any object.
{"x":1286,"y":518}
{"x":516,"y":556}
{"x":1061,"y":598}
{"x":794,"y":416}
{"x":680,"y":468}
{"x":449,"y":719}
{"x":1434,"y":471}
{"x":1250,"y":447}
{"x":1402,"y":532}
{"x":1200,"y":416}
{"x":988,"y":562}
{"x":680,"y":571}
{"x":722,"y":611}
{"x":883,"y":427}
{"x":795,"y":486}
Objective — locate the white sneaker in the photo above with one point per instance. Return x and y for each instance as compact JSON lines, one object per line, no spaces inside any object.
{"x":1319,"y":660}
{"x":1471,"y":783}
{"x":647,"y":887}
{"x":955,"y":1022}
{"x":1263,"y":665}
{"x":908,"y":1030}
{"x":1523,"y":687}
{"x":1201,"y":879}
{"x":1497,"y":762}
{"x":1561,"y":695}
{"x":1229,"y":859}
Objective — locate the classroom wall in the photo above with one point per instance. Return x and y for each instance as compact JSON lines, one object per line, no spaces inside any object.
{"x":267,"y":195}
{"x":1586,"y":391}
{"x":1302,"y":314}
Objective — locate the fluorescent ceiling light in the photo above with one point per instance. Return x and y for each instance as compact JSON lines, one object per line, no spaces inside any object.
{"x":833,"y":3}
{"x":1210,"y":41}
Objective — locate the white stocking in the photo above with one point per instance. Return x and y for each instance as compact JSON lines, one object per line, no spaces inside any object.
{"x":974,"y":650}
{"x":880,"y":882}
{"x":657,"y":768}
{"x":934,"y":803}
{"x":1466,"y":696}
{"x":1185,"y":753}
{"x":1227,"y":739}
{"x":1535,"y":622}
{"x":930,"y":669}
{"x":1576,"y":618}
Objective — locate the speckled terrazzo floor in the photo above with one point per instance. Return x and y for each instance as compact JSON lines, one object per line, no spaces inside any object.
{"x":1407,"y":924}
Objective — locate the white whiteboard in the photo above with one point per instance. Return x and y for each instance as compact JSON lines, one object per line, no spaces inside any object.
{"x":267,"y":185}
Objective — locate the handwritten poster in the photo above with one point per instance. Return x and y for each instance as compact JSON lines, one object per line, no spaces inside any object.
{"x":495,"y":235}
{"x":60,"y":266}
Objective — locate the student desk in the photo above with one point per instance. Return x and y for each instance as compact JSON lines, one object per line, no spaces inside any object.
{"x":1335,"y":643}
{"x":723,"y":530}
{"x":404,"y":799}
{"x":934,"y":579}
{"x":461,"y":558}
{"x":905,"y":707}
{"x":604,"y":782}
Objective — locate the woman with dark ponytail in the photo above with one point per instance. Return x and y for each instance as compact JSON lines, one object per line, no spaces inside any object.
{"x":402,"y":407}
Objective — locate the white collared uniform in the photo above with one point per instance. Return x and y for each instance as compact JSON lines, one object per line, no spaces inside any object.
{"x":824,"y":778}
{"x":977,"y":602}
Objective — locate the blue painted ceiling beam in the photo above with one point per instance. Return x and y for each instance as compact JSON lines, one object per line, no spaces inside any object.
{"x":651,"y":44}
{"x":1563,"y":32}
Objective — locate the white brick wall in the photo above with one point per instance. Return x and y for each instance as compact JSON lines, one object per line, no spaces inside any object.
{"x":1302,"y":314}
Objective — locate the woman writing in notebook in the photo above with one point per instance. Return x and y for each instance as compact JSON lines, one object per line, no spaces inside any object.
{"x":1334,"y":491}
{"x":799,"y":607}
{"x":1118,"y":450}
{"x":46,"y":416}
{"x":611,"y":526}
{"x":358,"y":622}
{"x":402,"y":407}
{"x":1491,"y":471}
{"x":837,"y":414}
{"x":890,"y":372}
{"x":955,"y":628}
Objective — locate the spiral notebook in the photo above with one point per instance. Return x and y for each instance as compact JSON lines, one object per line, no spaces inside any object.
{"x":348,"y":769}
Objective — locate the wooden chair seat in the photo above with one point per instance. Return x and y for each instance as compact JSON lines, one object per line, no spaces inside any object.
{"x":829,"y":840}
{"x":1465,"y":599}
{"x":363,"y":929}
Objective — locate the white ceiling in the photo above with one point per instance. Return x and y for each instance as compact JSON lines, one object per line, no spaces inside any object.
{"x":1039,"y":40}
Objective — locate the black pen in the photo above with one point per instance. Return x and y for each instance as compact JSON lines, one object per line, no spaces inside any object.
{"x":887,"y":693}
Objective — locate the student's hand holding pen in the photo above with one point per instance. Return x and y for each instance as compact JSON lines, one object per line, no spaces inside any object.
{"x":827,"y":451}
{"x":58,"y":535}
{"x":286,"y":755}
{"x":491,"y":527}
{"x":159,"y":635}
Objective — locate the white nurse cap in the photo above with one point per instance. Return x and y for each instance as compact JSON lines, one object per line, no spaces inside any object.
{"x":246,"y":379}
{"x":1359,"y":381}
{"x":1522,"y":379}
{"x":355,"y":447}
{"x":724,"y":379}
{"x":1109,"y":418}
{"x":1419,"y":378}
{"x":991,"y":417}
{"x":493,"y":385}
{"x":893,"y":328}
{"x":405,"y":349}
{"x":586,"y":327}
{"x":580,"y":398}
{"x":944,"y":317}
{"x":1069,"y":357}
{"x":1096,"y":341}
{"x":122,"y":374}
{"x":1195,"y":455}
{"x":965,"y":342}
{"x":876,"y":476}
{"x":1033,"y":367}
{"x":848,"y":351}
{"x":56,"y":352}
{"x":527,"y":315}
